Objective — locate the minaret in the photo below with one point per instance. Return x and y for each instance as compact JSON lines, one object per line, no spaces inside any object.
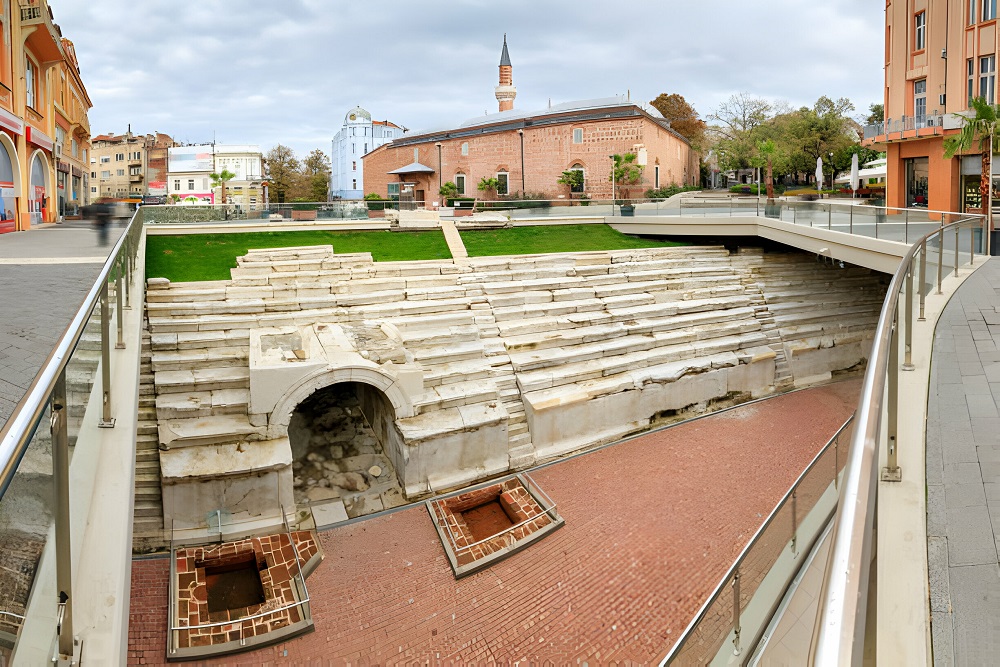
{"x":506,"y":92}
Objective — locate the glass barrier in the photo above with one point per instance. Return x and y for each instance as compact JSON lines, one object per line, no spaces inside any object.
{"x":768,"y":563}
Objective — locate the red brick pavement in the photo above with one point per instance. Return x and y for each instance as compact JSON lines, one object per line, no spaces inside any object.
{"x":651,"y":527}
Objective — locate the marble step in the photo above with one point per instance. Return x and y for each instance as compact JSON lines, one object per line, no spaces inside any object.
{"x":220,"y":429}
{"x":208,"y":379}
{"x":200,"y":340}
{"x":189,"y":405}
{"x":458,"y":371}
{"x":442,"y":335}
{"x":576,"y":371}
{"x":148,"y":509}
{"x":521,"y":456}
{"x":148,"y":455}
{"x":449,"y":353}
{"x":213,"y":357}
{"x":832,"y":315}
{"x":454,"y":395}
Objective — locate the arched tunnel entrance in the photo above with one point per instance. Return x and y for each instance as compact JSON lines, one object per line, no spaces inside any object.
{"x":343,"y":439}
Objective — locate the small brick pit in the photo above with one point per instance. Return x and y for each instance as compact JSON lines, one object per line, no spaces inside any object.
{"x":489,"y":524}
{"x":248,"y":570}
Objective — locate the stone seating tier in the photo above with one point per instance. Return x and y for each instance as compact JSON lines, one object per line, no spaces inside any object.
{"x":504,"y":344}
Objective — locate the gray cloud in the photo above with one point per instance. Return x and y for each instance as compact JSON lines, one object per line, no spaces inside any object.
{"x":287,"y":72}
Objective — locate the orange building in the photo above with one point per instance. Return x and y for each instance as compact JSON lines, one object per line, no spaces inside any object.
{"x":44,"y":133}
{"x":527,"y":152}
{"x":938,"y":55}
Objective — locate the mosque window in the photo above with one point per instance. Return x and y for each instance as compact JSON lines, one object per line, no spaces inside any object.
{"x":465,"y":148}
{"x":578,"y":136}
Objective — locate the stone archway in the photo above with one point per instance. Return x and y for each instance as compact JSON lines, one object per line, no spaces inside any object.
{"x":345,"y":445}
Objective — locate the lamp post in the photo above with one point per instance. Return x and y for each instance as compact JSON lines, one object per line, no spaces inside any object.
{"x":612,"y":184}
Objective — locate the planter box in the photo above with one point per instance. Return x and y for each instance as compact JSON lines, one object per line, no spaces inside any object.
{"x":303,"y":215}
{"x":463,"y":212}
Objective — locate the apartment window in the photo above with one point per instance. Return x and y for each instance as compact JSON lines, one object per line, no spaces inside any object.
{"x":460,"y":183}
{"x":920,"y":100}
{"x":105,"y":159}
{"x":465,"y":148}
{"x":578,"y":136}
{"x":503,"y":181}
{"x":119,"y":157}
{"x":74,"y":147}
{"x":354,"y":166}
{"x":989,"y":10}
{"x":987,"y":77}
{"x":121,"y":172}
{"x":93,"y":174}
{"x":106,"y":173}
{"x":133,"y":171}
{"x":354,"y":184}
{"x":93,"y":189}
{"x":190,"y":184}
{"x":177,"y":184}
{"x":970,"y":67}
{"x":972,"y":12}
{"x":29,"y":82}
{"x":920,"y":31}
{"x":656,"y":176}
{"x":366,"y":149}
{"x":354,"y":149}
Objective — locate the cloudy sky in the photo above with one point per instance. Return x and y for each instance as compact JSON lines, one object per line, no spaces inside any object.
{"x":287,"y":71}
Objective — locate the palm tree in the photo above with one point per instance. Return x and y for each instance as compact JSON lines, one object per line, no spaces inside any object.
{"x":768,"y":150}
{"x":220,"y":179}
{"x":983,"y":125}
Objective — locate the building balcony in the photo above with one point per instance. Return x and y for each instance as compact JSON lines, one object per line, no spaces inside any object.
{"x":135,"y":178}
{"x":910,"y":127}
{"x":44,"y":38}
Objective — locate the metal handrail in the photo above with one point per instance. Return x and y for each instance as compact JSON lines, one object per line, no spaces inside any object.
{"x":724,"y":582}
{"x":176,"y":628}
{"x":840,"y":620}
{"x":20,"y":428}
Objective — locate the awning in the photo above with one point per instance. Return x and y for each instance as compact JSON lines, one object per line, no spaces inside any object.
{"x":413,"y":168}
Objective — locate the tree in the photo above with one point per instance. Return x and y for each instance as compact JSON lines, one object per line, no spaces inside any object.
{"x":219,"y":180}
{"x":739,"y":121}
{"x":282,"y":169}
{"x":626,"y":173}
{"x":983,"y":126}
{"x":448,"y":190}
{"x":682,"y":117}
{"x":768,"y":150}
{"x":316,"y":175}
{"x":876,"y":114}
{"x":573,"y":178}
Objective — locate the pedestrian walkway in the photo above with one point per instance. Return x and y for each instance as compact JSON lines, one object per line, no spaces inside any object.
{"x":45,"y":273}
{"x":454,"y":239}
{"x":963,"y":474}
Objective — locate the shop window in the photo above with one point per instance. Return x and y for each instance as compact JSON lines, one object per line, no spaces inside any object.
{"x":916,"y":182}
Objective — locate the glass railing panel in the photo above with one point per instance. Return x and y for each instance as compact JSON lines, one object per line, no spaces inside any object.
{"x":83,"y":374}
{"x":707,"y":639}
{"x":27,"y":511}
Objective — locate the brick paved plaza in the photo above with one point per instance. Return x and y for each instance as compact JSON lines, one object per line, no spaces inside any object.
{"x":651,"y":527}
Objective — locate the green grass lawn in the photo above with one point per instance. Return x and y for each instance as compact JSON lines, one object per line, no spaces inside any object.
{"x":553,"y":238}
{"x":194,"y":257}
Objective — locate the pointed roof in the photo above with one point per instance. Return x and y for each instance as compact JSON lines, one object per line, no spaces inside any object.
{"x":505,"y":57}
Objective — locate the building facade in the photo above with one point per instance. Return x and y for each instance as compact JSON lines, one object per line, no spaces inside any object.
{"x":44,"y":131}
{"x":527,"y":152}
{"x":189,"y":170}
{"x":359,"y":135}
{"x":938,"y":56}
{"x":129,"y":166}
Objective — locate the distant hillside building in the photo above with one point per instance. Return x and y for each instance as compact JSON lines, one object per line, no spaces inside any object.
{"x":359,"y":136}
{"x":527,"y":152}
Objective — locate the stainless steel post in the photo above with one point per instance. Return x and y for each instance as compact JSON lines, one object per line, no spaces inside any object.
{"x":923,"y":278}
{"x":956,"y":251}
{"x":106,"y":420}
{"x":906,"y":226}
{"x":829,"y":216}
{"x":736,"y":612}
{"x":60,"y":476}
{"x":129,"y":266}
{"x":892,"y":473}
{"x":972,"y":245}
{"x":940,"y":271}
{"x":908,"y":330}
{"x":120,"y":340}
{"x":851,"y":223}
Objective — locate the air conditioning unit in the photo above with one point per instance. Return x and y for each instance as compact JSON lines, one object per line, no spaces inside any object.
{"x":58,"y":150}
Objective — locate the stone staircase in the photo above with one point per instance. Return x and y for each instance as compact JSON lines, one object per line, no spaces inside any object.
{"x":605,"y":336}
{"x":147,"y":525}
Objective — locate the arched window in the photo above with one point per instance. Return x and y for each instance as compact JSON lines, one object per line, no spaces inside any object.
{"x":578,"y":186}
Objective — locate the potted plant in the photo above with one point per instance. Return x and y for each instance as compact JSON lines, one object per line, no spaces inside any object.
{"x":376,"y":205}
{"x":626,"y":174}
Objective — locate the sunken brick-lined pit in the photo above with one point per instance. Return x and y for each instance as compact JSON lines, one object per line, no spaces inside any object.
{"x":468,"y":551}
{"x":274,"y":558}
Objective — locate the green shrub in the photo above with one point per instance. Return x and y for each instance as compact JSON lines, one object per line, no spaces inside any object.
{"x":375,"y":201}
{"x":670,"y":191}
